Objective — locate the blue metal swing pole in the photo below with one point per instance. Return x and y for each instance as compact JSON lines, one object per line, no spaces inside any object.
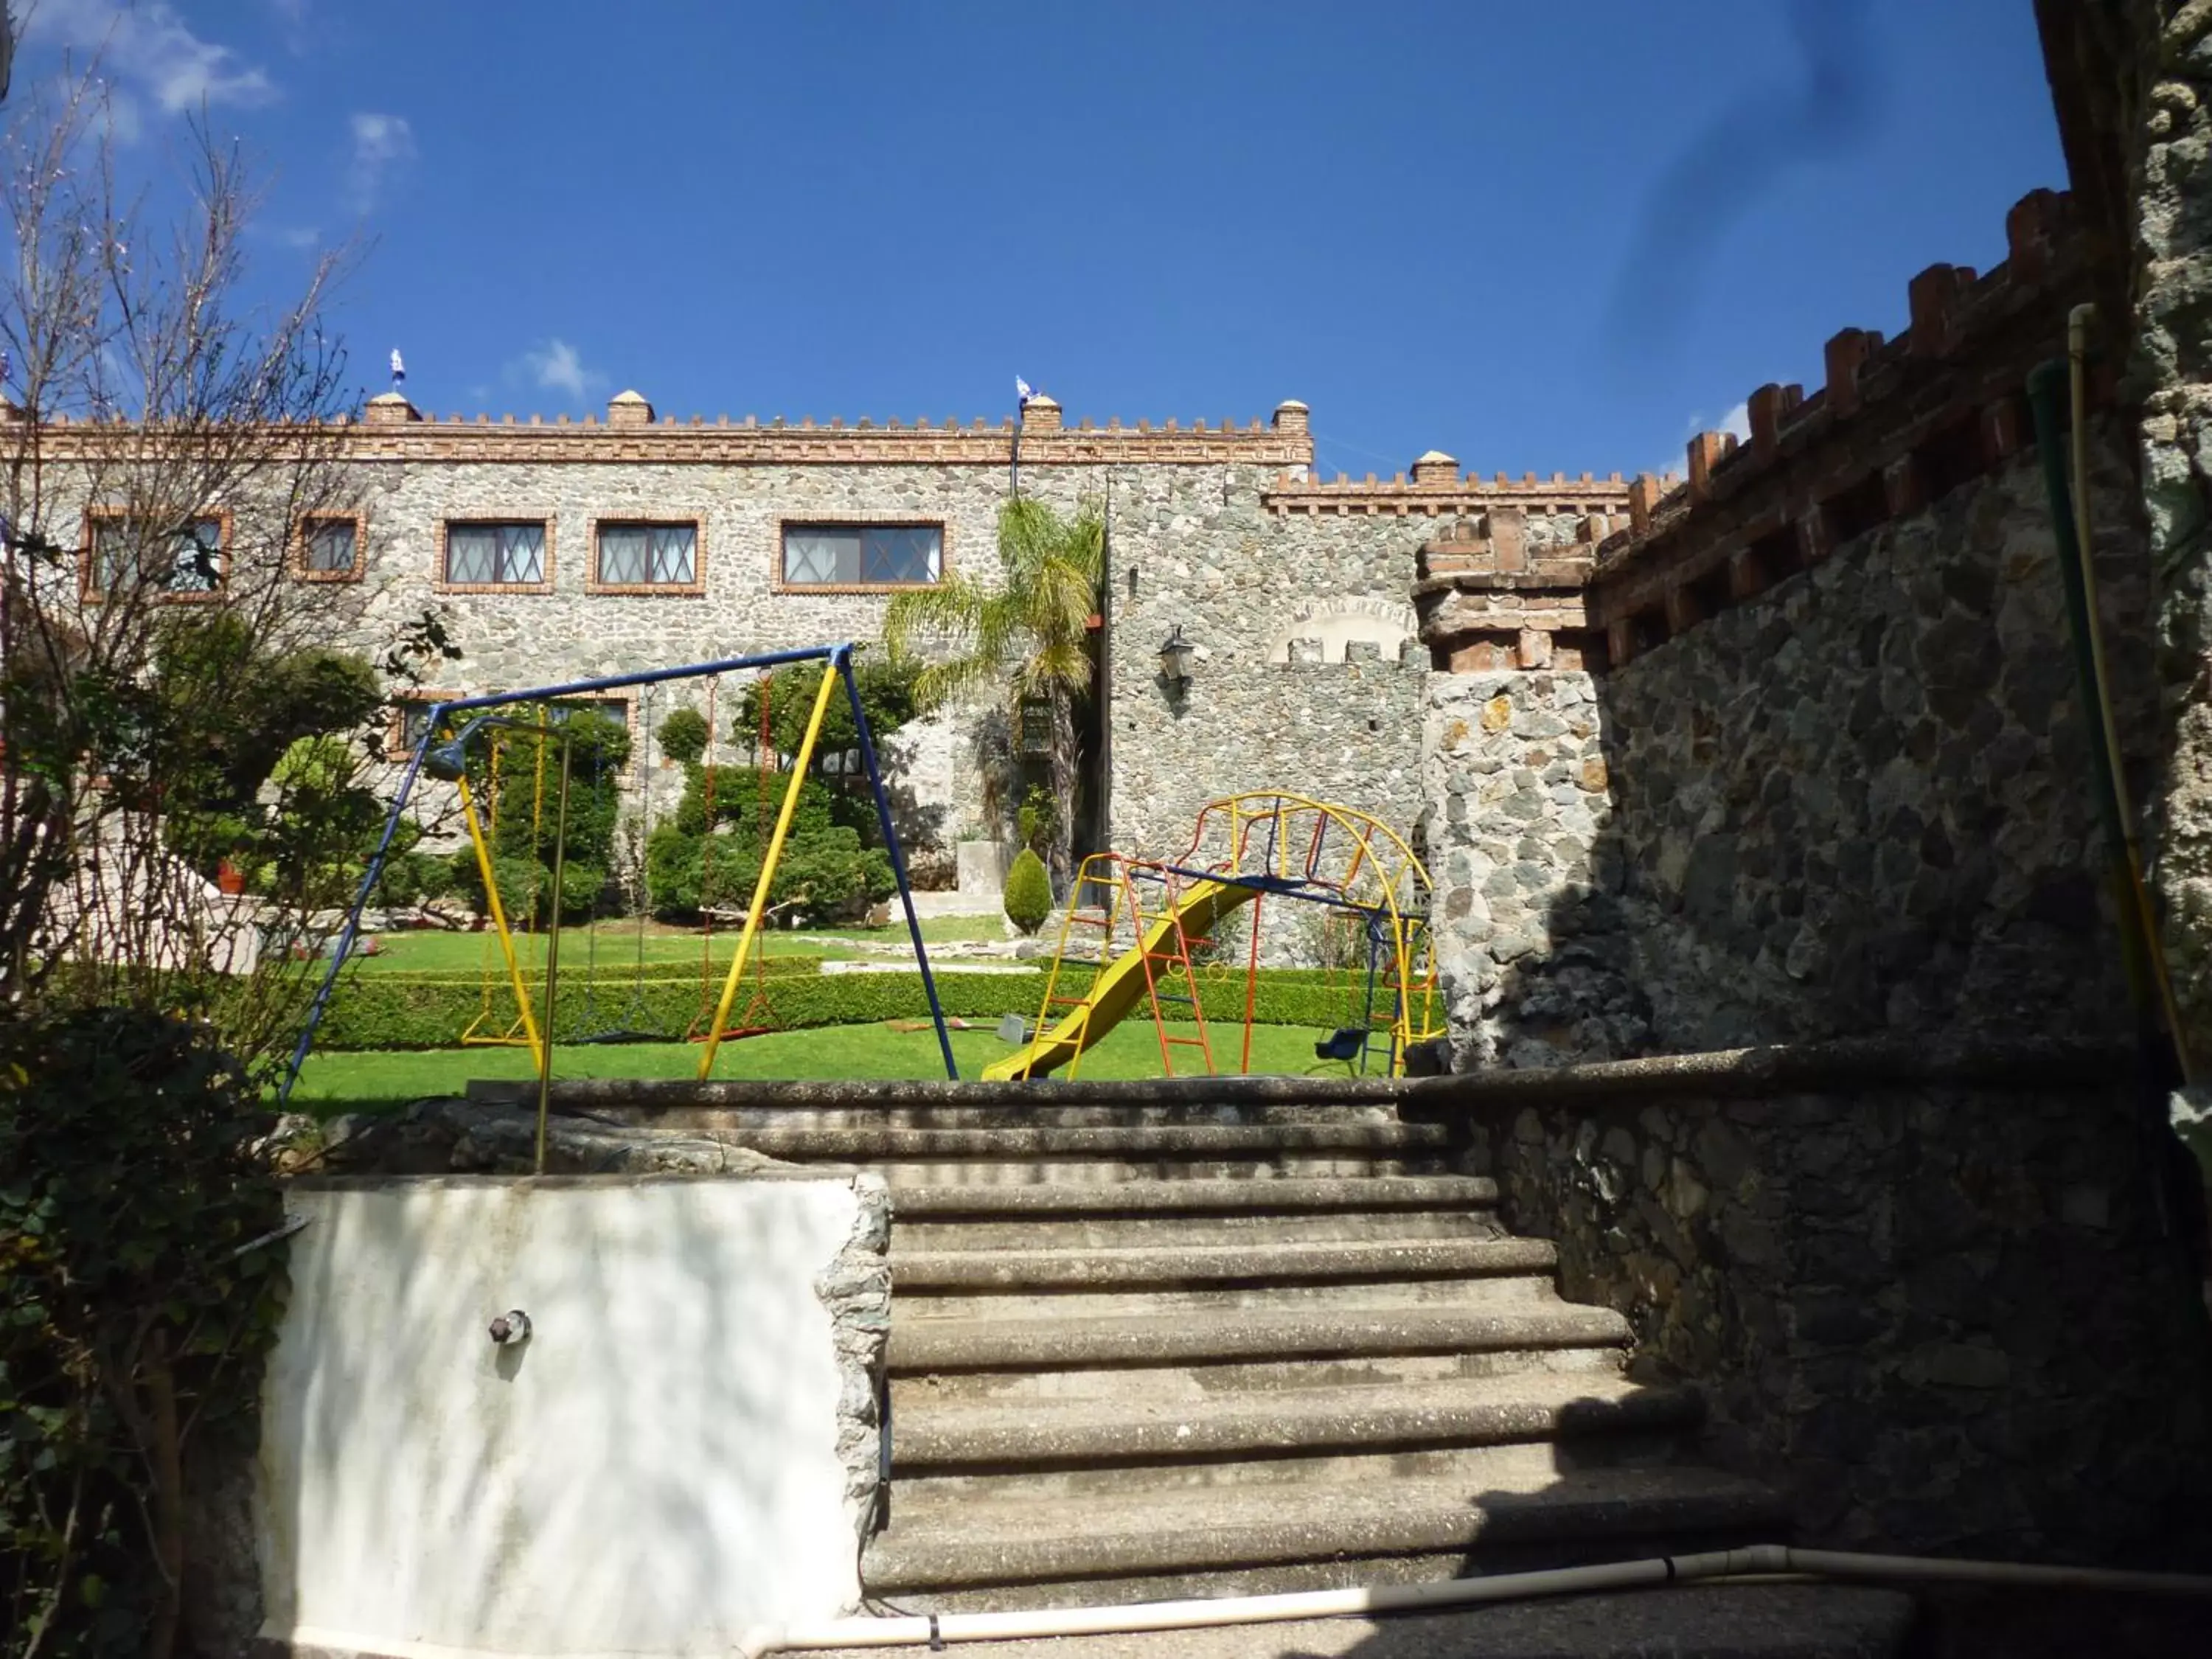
{"x":352,"y":929}
{"x":841,"y":661}
{"x":1367,"y":1014}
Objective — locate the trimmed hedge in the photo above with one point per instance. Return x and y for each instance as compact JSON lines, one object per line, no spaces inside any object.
{"x":382,"y":1010}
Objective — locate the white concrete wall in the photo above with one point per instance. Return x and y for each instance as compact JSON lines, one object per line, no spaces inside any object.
{"x":654,"y":1470}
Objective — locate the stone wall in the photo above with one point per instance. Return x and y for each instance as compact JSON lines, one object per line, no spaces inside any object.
{"x":1516,"y":828}
{"x":1861,"y":801}
{"x":2163,"y":151}
{"x":1942,"y":1315}
{"x":1836,"y":719}
{"x":1276,"y":588}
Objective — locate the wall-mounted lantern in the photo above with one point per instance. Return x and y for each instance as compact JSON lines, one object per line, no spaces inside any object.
{"x":1175,"y":659}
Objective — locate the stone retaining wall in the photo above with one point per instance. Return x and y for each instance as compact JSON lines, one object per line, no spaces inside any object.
{"x":1941,"y":1316}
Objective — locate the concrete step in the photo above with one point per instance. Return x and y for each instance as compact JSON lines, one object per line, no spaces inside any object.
{"x":1331,"y":1273}
{"x":1011,"y":1110}
{"x":957,"y":1434}
{"x":1199,"y":1382}
{"x":1512,"y":1431}
{"x":1181,"y":1266}
{"x":1078,"y":1215}
{"x":1136,"y":1142}
{"x":1101,"y":1170}
{"x":1474,"y":1467}
{"x":1708,"y":1621}
{"x":1011,"y":1552}
{"x":1153,"y":1341}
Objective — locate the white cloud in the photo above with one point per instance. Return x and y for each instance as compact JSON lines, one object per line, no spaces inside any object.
{"x":1735,"y":421}
{"x":556,"y":367}
{"x":381,"y":144}
{"x":152,"y":50}
{"x":299,"y":236}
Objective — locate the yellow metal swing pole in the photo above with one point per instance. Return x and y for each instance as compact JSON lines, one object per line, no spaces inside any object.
{"x":759,"y":905}
{"x":498,"y":910}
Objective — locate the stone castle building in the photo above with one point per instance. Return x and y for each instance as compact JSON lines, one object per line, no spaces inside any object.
{"x":569,"y":550}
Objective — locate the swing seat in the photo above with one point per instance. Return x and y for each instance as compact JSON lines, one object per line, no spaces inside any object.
{"x":1344,"y":1043}
{"x":732,"y":1035}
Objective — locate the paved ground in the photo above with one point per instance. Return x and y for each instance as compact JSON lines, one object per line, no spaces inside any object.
{"x":1767,"y":1621}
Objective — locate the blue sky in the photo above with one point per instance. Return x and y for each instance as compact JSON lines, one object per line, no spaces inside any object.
{"x":1552,"y":236}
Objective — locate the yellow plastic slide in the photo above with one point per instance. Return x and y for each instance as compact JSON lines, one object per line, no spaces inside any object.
{"x":1120,"y":986}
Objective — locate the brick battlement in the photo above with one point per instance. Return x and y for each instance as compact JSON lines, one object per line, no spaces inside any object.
{"x":1898,"y":423}
{"x":393,"y":428}
{"x":1435,"y":487}
{"x":1489,"y":596}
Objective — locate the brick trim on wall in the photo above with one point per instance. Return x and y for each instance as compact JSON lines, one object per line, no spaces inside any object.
{"x":726,"y":442}
{"x":694,"y":589}
{"x":838,"y":520}
{"x":439,"y":585}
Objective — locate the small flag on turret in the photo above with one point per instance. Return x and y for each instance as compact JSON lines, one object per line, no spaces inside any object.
{"x":1022,"y":389}
{"x":398,"y":368}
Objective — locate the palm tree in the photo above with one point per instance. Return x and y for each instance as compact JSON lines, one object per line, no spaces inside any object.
{"x":1030,"y":634}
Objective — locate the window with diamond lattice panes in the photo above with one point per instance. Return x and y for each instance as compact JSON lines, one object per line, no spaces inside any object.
{"x":648,"y":555}
{"x":496,"y":555}
{"x":332,"y":545}
{"x":863,"y":555}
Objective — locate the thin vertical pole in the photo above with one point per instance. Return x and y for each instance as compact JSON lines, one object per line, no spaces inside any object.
{"x":552,"y":949}
{"x":842,"y":661}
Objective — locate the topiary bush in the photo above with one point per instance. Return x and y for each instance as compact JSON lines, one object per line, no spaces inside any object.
{"x":684,"y":736}
{"x":1029,"y":892}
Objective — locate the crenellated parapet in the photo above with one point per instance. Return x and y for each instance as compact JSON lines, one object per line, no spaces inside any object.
{"x":1496,"y":592}
{"x":1436,"y":488}
{"x":1897,"y":425}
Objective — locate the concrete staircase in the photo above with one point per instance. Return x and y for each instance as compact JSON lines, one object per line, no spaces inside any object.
{"x":1254,"y":1380}
{"x":1193,"y":1340}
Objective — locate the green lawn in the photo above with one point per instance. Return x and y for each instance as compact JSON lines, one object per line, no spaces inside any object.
{"x":431,"y":950}
{"x":382,"y":1081}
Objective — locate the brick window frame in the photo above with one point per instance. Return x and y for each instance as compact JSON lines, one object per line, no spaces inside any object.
{"x":694,"y":589}
{"x":544,"y":585}
{"x":88,"y":590}
{"x":307,"y":523}
{"x":855,"y":520}
{"x":396,"y":745}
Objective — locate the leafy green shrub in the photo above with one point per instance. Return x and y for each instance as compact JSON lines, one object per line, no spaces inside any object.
{"x":140,"y":1288}
{"x":414,"y":877}
{"x":1029,"y":892}
{"x":410,"y":1010}
{"x":826,"y":870}
{"x":684,"y":736}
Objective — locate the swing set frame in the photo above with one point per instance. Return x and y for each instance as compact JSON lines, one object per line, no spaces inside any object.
{"x":839,"y":658}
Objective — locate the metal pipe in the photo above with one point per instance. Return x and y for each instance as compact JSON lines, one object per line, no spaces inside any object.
{"x":1758,"y":1561}
{"x":2077,"y":363}
{"x":553,"y":950}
